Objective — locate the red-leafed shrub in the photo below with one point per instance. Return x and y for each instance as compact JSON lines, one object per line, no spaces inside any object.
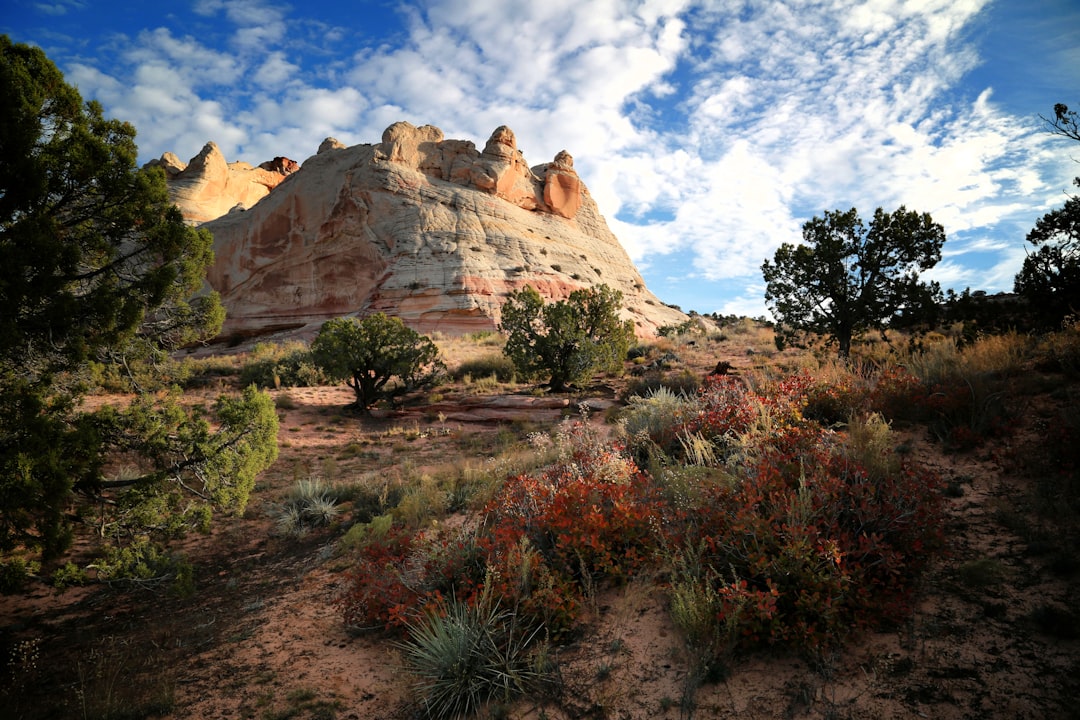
{"x":834,"y":400}
{"x":814,"y":544}
{"x":725,"y":407}
{"x":896,"y":394}
{"x":592,"y":517}
{"x":398,"y":575}
{"x":543,"y":543}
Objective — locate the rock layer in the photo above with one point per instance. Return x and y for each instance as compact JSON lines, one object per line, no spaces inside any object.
{"x":421,"y":227}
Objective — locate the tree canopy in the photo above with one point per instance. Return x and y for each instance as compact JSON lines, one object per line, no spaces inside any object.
{"x":99,"y":266}
{"x":845,"y":278}
{"x":369,"y":352}
{"x":1050,"y":276}
{"x":568,"y":339}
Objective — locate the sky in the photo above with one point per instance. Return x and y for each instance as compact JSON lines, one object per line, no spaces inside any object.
{"x":708,"y":131}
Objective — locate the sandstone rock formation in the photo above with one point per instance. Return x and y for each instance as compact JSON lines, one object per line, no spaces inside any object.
{"x":418,"y":226}
{"x":208,"y":187}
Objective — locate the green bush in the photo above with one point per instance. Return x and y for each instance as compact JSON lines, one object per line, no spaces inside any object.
{"x":146,"y":564}
{"x":363,"y":533}
{"x":69,"y":575}
{"x":567,"y":340}
{"x":15,"y":573}
{"x":277,"y":366}
{"x":368,"y":353}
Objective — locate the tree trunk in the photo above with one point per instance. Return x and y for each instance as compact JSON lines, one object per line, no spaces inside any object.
{"x":844,"y":339}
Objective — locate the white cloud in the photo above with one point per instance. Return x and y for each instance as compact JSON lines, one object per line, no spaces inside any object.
{"x":58,"y":8}
{"x":275,"y":70}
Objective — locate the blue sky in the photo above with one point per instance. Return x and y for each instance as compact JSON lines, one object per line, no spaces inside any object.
{"x":708,"y":131}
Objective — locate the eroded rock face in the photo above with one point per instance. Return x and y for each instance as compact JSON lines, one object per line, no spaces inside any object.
{"x":421,"y":227}
{"x":208,"y":187}
{"x":562,"y":186}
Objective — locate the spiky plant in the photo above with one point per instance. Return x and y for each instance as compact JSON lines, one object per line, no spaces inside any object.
{"x":463,"y":656}
{"x":308,"y":505}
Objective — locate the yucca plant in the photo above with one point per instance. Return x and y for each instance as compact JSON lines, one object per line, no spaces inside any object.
{"x":463,"y":656}
{"x":308,"y":505}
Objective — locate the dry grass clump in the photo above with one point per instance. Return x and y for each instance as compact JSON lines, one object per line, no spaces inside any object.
{"x":494,"y":365}
{"x":989,"y":356}
{"x":1061,"y":350}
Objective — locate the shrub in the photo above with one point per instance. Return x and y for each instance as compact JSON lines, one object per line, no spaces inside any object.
{"x":683,"y":382}
{"x":462,"y":656}
{"x":285,"y":365}
{"x":545,"y":541}
{"x":656,"y":417}
{"x":421,"y":501}
{"x":834,"y":399}
{"x":814,"y":546}
{"x":143,"y":563}
{"x":1060,"y":350}
{"x":370,"y":352}
{"x":697,"y":610}
{"x":962,"y":393}
{"x":15,"y":573}
{"x":569,"y":339}
{"x":814,"y":536}
{"x":69,"y":575}
{"x":1053,"y":460}
{"x":400,"y":573}
{"x":896,"y":393}
{"x":363,"y":533}
{"x":870,"y":445}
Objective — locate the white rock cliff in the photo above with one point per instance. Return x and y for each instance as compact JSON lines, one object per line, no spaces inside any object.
{"x":420,"y":227}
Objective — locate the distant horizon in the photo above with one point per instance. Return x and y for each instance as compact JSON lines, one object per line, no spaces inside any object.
{"x":707,"y":135}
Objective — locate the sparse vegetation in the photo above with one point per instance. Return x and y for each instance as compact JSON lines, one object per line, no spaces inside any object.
{"x":735,"y":500}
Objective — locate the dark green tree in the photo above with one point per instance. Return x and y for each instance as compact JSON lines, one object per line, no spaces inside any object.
{"x":368,"y":353}
{"x":1050,"y":277}
{"x":98,"y":265}
{"x":845,"y":279}
{"x":569,"y":339}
